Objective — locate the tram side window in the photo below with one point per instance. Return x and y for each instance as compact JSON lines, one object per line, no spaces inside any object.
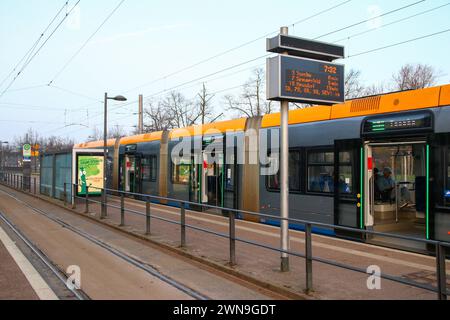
{"x":181,"y":173}
{"x":273,"y":182}
{"x":321,"y":171}
{"x":345,"y":172}
{"x":149,"y":168}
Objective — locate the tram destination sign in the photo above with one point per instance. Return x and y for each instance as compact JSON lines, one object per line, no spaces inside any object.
{"x":413,"y":122}
{"x":304,"y":80}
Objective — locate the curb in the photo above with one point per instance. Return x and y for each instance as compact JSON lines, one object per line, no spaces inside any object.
{"x":222,"y":268}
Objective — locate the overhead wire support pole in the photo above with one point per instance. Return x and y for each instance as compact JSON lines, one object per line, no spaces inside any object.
{"x":105,"y":157}
{"x":284,"y":177}
{"x":141,"y":114}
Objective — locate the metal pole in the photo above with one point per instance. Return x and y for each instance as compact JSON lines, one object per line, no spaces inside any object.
{"x":103,"y":209}
{"x":122,"y":209}
{"x":284,"y":178}
{"x":308,"y":251}
{"x":147,"y":217}
{"x":34,"y":185}
{"x":441,"y":272}
{"x":65,"y":194}
{"x":232,"y":239}
{"x":87,"y":200}
{"x":105,"y":155}
{"x":183,"y":225}
{"x":141,"y":114}
{"x":74,"y":195}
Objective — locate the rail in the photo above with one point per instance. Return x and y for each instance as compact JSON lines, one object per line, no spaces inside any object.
{"x":440,"y":247}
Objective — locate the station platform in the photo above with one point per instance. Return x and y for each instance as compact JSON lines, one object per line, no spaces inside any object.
{"x":19,"y":280}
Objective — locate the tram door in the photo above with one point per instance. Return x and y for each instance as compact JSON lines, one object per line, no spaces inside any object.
{"x":133,"y":173}
{"x":213,"y":171}
{"x":347,"y":186}
{"x":439,"y":215}
{"x":212,"y":181}
{"x":396,"y":183}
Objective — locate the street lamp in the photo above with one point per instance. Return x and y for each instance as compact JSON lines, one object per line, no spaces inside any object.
{"x":105,"y":146}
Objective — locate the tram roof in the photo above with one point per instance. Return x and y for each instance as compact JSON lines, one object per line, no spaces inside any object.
{"x":378,"y":104}
{"x":384,"y":103}
{"x":95,"y":144}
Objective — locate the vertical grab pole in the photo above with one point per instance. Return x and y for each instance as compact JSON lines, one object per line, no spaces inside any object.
{"x":441,"y":272}
{"x":183,"y":225}
{"x":122,"y":209}
{"x":308,"y":251}
{"x":232,"y":223}
{"x":147,"y":217}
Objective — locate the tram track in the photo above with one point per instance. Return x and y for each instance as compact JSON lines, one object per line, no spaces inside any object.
{"x":115,"y":252}
{"x":78,"y":294}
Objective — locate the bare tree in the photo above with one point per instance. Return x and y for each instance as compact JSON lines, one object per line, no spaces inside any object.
{"x":204,"y":105}
{"x":374,"y":89}
{"x":414,"y":76}
{"x":96,"y":135}
{"x":353,"y":87}
{"x":181,"y":110}
{"x":55,"y":144}
{"x":160,"y":119}
{"x":252,"y":101}
{"x":31,"y":136}
{"x":116,"y":132}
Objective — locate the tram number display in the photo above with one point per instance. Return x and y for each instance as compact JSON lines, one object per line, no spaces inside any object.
{"x":305,"y":80}
{"x":417,"y":121}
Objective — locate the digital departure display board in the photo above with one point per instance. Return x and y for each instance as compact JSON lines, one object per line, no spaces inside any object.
{"x":305,"y":80}
{"x":410,"y":122}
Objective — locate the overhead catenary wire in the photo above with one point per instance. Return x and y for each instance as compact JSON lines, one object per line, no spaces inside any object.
{"x":393,"y":22}
{"x":234,"y":48}
{"x":180,"y":85}
{"x":73,"y":93}
{"x":359,"y":54}
{"x":189,"y":67}
{"x":40,"y":48}
{"x":85,"y":43}
{"x":30,"y":51}
{"x":399,"y":43}
{"x":370,"y":19}
{"x":303,"y":20}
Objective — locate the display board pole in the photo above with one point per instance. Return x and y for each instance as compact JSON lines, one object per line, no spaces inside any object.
{"x":284,"y":177}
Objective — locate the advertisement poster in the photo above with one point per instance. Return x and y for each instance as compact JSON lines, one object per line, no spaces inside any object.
{"x":26,"y":153}
{"x":90,"y":173}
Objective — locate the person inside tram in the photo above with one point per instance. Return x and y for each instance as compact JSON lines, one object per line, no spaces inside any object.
{"x":386,"y":185}
{"x":327,"y":184}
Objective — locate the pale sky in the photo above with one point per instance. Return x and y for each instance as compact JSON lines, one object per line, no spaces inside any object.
{"x":147,"y":40}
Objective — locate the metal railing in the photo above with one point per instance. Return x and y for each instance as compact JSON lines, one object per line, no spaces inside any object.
{"x":233,"y":214}
{"x":19,"y":182}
